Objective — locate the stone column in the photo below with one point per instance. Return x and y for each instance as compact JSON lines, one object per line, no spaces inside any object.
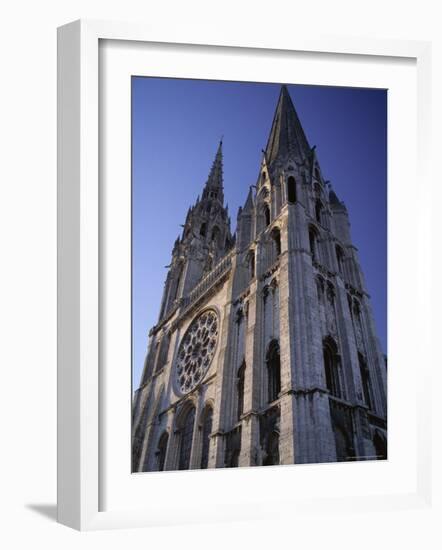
{"x":224,"y":379}
{"x":286,"y":426}
{"x":314,"y":437}
{"x":168,"y":460}
{"x":252,"y":380}
{"x":195,"y":455}
{"x":375,"y":360}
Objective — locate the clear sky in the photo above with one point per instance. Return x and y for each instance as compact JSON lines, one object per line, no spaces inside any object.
{"x":176,"y":128}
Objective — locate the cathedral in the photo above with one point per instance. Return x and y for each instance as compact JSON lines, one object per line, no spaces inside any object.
{"x":265,"y":350}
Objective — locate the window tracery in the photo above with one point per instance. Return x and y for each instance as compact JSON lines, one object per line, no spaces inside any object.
{"x":196,"y":350}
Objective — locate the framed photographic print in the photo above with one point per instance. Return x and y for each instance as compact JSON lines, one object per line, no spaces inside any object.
{"x":263,"y":348}
{"x":223,"y":244}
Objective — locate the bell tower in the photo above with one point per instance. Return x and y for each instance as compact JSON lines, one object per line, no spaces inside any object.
{"x":206,"y":238}
{"x":307,"y":304}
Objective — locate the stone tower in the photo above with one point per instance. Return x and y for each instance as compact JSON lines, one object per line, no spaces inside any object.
{"x":265,"y":351}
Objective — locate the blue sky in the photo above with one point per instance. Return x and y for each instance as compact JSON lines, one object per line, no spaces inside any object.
{"x":176,"y":128}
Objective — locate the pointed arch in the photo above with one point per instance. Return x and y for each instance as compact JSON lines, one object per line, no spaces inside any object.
{"x":251,"y":263}
{"x":266,"y":212}
{"x":365,"y":380}
{"x":186,"y":421}
{"x":162,"y":450}
{"x":276,"y":238}
{"x":203,"y":229}
{"x":291,"y":190}
{"x":340,"y":259}
{"x":332,"y":367}
{"x":273,"y":370}
{"x":356,"y":308}
{"x":206,"y":430}
{"x":318,"y":210}
{"x":320,"y":287}
{"x":313,"y":236}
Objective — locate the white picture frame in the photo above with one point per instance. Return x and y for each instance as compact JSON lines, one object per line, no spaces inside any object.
{"x":80,"y":438}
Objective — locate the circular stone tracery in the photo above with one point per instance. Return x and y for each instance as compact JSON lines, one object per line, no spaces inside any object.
{"x":196,"y":351}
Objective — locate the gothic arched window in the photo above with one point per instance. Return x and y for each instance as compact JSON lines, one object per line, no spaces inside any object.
{"x":240,"y":389}
{"x":331,"y":367}
{"x":276,"y":237}
{"x":339,"y":258}
{"x":291,"y":189}
{"x":186,"y":437}
{"x":365,"y":379}
{"x":267,"y":215}
{"x":203,"y":230}
{"x":313,"y":241}
{"x":318,"y":210}
{"x":252,"y":264}
{"x":273,"y":370}
{"x":320,"y":287}
{"x":162,"y":449}
{"x":206,"y":431}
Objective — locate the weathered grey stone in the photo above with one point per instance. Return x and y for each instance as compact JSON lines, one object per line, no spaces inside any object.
{"x":273,"y":296}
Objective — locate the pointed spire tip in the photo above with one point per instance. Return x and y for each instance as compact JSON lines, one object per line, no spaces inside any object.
{"x":287,"y":137}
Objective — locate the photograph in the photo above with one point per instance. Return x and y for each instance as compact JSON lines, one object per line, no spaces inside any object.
{"x":259,"y":274}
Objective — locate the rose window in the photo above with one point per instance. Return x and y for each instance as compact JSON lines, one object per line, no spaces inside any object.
{"x":196,"y":351}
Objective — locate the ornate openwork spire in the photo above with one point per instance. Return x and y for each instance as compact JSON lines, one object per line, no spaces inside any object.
{"x":214,"y":184}
{"x":287,"y":138}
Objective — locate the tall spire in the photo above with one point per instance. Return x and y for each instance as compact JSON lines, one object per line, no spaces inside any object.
{"x":214,"y":182}
{"x":286,"y":136}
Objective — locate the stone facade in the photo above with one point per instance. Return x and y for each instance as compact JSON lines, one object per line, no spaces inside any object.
{"x":265,"y":349}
